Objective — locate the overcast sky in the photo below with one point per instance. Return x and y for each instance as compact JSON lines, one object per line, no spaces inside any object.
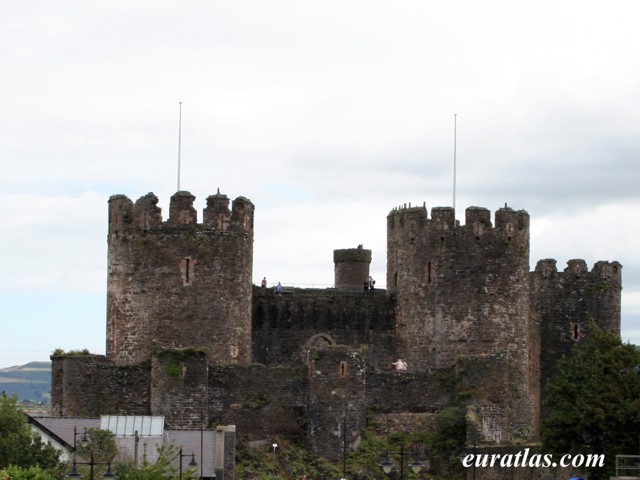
{"x":326,"y":114}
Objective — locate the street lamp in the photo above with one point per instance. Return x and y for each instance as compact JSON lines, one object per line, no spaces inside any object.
{"x":192,"y":463}
{"x":336,"y":432}
{"x":75,"y":474}
{"x":416,"y":466}
{"x":275,"y":445}
{"x":74,"y":469}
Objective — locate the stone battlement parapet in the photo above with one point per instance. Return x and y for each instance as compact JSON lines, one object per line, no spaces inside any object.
{"x":144,"y":215}
{"x":576,"y":269}
{"x":443,"y":218}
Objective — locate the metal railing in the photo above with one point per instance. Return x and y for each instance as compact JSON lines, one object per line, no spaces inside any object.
{"x":627,"y":465}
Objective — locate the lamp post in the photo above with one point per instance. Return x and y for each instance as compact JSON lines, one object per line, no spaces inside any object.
{"x":74,"y":469}
{"x":192,"y":463}
{"x":416,"y":466}
{"x":275,"y":445}
{"x":345,"y":444}
{"x":337,"y":432}
{"x":75,"y":474}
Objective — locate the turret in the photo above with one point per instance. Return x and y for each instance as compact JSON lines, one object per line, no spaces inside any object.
{"x":567,"y":303}
{"x":179,"y":284}
{"x":351,"y":267}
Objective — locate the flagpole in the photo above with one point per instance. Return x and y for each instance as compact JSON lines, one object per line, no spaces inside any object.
{"x":455,"y":131}
{"x":179,"y":143}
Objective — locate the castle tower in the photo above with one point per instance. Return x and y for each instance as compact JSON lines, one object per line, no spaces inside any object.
{"x":336,"y":401}
{"x":463,"y":291}
{"x":351,"y":267}
{"x":179,"y":284}
{"x":567,"y":302}
{"x":459,"y":289}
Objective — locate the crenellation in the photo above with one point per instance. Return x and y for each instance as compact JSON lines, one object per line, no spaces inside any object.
{"x":512,"y":221}
{"x":216,"y":215}
{"x":608,"y":270}
{"x":546,"y":268}
{"x":181,"y":211}
{"x":147,"y":214}
{"x":242,"y":213}
{"x":478,"y":216}
{"x":577,"y":267}
{"x":444,"y":218}
{"x":120,"y":214}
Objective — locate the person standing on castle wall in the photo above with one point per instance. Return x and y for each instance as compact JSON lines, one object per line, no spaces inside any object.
{"x":400,"y":365}
{"x":279,"y":289}
{"x":264,"y":282}
{"x":371,"y":283}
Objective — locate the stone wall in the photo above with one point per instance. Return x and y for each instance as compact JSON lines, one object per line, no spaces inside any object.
{"x":179,"y":389}
{"x":287,"y":327}
{"x":410,"y":391}
{"x":261,"y":402}
{"x":90,"y":385}
{"x":336,"y":410}
{"x":178,"y":283}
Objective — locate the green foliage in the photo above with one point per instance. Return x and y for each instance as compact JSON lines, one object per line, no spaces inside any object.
{"x":99,"y":445}
{"x":594,"y":400}
{"x":173,"y":368}
{"x":259,"y":399}
{"x":162,"y":468}
{"x":18,"y":446}
{"x":438,"y":448}
{"x":25,"y":473}
{"x":291,"y":462}
{"x":449,"y":439}
{"x":59,"y":352}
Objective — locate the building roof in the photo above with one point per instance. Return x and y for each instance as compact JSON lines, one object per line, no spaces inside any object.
{"x":62,"y":429}
{"x":201,"y":444}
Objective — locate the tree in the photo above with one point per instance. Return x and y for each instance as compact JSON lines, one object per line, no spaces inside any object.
{"x":18,"y":446}
{"x":594,"y":400}
{"x":98,"y":445}
{"x":161,"y":468}
{"x":28,"y":473}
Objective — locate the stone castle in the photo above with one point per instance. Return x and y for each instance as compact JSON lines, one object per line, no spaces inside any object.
{"x":190,"y":337}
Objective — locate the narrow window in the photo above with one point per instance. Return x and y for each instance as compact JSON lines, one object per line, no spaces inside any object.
{"x":343,"y":369}
{"x":187,"y":271}
{"x":575,"y":332}
{"x":429,"y":272}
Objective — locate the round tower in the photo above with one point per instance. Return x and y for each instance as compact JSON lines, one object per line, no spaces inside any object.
{"x":179,"y":284}
{"x":462,"y":291}
{"x":351,"y":267}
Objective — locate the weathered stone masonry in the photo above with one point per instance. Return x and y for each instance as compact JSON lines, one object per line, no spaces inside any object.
{"x":190,"y":337}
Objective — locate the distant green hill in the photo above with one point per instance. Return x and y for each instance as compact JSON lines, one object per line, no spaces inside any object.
{"x":30,"y":382}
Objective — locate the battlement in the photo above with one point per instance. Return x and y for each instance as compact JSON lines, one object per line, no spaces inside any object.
{"x":443,"y":219}
{"x":144,"y":215}
{"x":576,"y":269}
